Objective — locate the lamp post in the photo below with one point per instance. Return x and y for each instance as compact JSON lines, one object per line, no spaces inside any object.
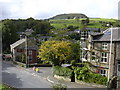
{"x":110,"y":54}
{"x":26,"y":50}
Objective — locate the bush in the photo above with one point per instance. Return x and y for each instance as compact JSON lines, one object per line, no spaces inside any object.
{"x":59,"y":87}
{"x":83,"y":74}
{"x":73,"y":62}
{"x":7,"y":87}
{"x":62,"y":71}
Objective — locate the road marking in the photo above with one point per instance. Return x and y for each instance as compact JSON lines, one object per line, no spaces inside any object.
{"x":6,"y":71}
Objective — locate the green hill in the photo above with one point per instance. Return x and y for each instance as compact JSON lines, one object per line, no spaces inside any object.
{"x":69,"y":16}
{"x":93,"y":22}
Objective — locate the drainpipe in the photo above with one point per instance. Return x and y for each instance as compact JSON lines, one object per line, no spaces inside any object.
{"x":110,"y":56}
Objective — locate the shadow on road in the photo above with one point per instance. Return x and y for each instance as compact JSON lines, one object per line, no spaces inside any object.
{"x":11,"y":79}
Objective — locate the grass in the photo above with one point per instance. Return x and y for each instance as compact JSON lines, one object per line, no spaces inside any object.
{"x":6,"y":87}
{"x":103,"y":19}
{"x":94,"y":22}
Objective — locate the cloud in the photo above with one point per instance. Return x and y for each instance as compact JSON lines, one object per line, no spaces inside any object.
{"x":48,"y":8}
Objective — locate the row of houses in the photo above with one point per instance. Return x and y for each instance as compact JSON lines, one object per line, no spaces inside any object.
{"x":96,"y":50}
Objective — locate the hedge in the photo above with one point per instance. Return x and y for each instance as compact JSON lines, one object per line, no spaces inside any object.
{"x":62,"y":71}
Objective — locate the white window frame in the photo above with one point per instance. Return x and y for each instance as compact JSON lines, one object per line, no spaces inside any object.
{"x":103,"y":72}
{"x":30,"y":52}
{"x":103,"y":56}
{"x":93,"y":55}
{"x":84,"y":35}
{"x":104,"y":46}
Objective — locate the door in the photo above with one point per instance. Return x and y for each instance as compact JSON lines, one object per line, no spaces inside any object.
{"x":118,"y":71}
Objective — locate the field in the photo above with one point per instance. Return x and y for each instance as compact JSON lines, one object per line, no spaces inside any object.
{"x":94,"y":22}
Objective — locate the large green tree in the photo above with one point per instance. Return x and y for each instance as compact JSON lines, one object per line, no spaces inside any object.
{"x":58,"y":52}
{"x":9,"y":34}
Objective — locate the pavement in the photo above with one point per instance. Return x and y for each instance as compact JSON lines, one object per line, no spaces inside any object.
{"x":46,"y":73}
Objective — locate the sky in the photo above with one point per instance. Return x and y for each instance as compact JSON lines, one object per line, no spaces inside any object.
{"x":44,"y":9}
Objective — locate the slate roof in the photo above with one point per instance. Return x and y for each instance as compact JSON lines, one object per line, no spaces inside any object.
{"x":106,"y":35}
{"x":17,"y":43}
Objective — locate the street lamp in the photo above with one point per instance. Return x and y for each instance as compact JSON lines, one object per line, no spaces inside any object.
{"x":110,"y":53}
{"x":26,"y":50}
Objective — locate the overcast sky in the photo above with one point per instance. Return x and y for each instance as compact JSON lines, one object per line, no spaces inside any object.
{"x":43,"y":9}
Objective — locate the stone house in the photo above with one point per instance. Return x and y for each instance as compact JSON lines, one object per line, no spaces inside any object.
{"x":99,"y":51}
{"x":24,"y":48}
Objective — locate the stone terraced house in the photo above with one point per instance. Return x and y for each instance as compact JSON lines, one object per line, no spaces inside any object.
{"x":99,"y":51}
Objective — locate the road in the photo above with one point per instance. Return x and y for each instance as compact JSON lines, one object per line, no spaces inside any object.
{"x":20,"y":78}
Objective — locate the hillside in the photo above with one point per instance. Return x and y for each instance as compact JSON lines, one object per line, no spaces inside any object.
{"x":94,"y":22}
{"x":69,"y":16}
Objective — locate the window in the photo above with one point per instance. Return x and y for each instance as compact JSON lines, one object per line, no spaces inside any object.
{"x":30,"y":52}
{"x":104,"y":57}
{"x":104,"y":46}
{"x":29,"y":57}
{"x":103,"y":72}
{"x":93,"y":56}
{"x":19,"y":50}
{"x":119,"y":67}
{"x":84,"y":35}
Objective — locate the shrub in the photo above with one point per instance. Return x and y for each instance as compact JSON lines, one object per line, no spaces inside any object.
{"x":7,"y":87}
{"x":59,"y":87}
{"x":62,"y":71}
{"x":83,"y":74}
{"x":73,"y":62}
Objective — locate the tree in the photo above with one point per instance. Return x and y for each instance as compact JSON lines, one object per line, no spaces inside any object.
{"x":9,"y":34}
{"x":57,"y":52}
{"x":58,"y":34}
{"x":11,"y":28}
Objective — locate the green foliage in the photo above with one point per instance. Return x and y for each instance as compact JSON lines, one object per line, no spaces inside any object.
{"x":10,"y":28}
{"x":9,"y":34}
{"x":62,"y":71}
{"x":57,"y":52}
{"x":117,"y":23}
{"x":71,"y":27}
{"x":93,"y":23}
{"x":73,"y":62}
{"x":69,"y":16}
{"x":58,"y":34}
{"x":83,"y":74}
{"x":59,"y":87}
{"x":7,"y":87}
{"x":23,"y":58}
